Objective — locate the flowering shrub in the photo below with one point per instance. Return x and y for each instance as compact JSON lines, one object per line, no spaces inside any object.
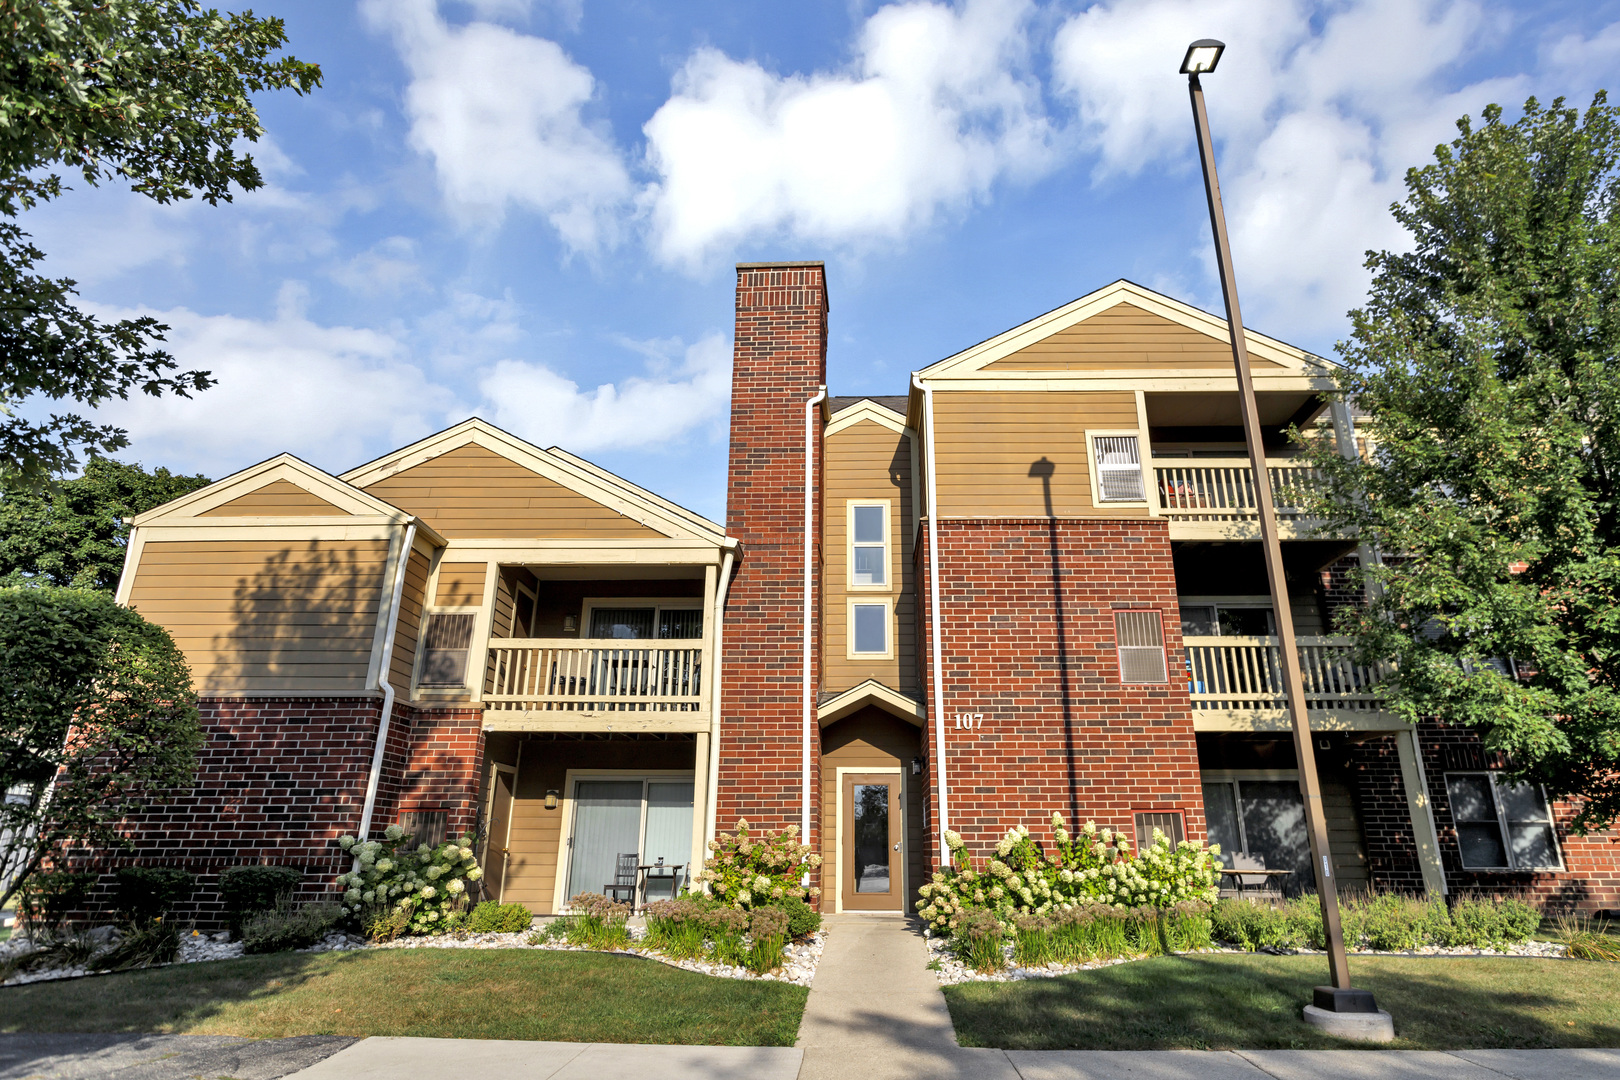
{"x":768,"y":931}
{"x":417,"y":892}
{"x":1093,"y":867}
{"x":746,"y":872}
{"x":598,"y":922}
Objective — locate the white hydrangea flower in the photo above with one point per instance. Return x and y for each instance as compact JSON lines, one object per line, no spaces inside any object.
{"x":392,"y":833}
{"x":352,"y":896}
{"x":434,"y":873}
{"x":429,"y":892}
{"x":455,"y":888}
{"x":346,"y":842}
{"x":474,"y":874}
{"x":384,"y":865}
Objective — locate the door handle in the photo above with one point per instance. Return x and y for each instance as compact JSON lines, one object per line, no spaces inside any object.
{"x":897,"y":847}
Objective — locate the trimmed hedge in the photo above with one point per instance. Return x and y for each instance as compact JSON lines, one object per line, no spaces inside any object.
{"x":248,"y":890}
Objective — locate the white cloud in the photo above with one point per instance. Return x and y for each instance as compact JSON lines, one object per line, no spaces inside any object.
{"x":937,"y":106}
{"x":330,"y":394}
{"x":674,"y":399}
{"x":1318,"y":109}
{"x":391,"y":265}
{"x":500,"y":113}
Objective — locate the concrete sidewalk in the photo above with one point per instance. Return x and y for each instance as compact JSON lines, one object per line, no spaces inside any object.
{"x":396,"y":1058}
{"x":70,"y":1056}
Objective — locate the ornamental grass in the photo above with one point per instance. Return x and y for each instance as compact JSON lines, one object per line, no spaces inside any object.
{"x":598,"y":923}
{"x":1384,"y":922}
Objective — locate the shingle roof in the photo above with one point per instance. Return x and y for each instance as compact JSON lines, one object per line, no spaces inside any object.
{"x":895,"y":403}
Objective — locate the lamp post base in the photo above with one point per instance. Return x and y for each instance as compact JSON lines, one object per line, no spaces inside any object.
{"x":1375,"y":1026}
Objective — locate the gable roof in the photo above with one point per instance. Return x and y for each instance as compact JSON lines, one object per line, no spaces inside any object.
{"x":870,"y":692}
{"x":852,"y":411}
{"x":276,"y":479}
{"x":1186,"y":328}
{"x":559,"y":467}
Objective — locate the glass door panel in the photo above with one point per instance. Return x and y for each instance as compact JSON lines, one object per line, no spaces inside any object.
{"x":669,"y":836}
{"x":871,"y":840}
{"x":607,"y":824}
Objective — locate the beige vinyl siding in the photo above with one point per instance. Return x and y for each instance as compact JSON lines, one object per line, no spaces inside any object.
{"x":536,"y":836}
{"x":280,"y":498}
{"x":409,"y":629}
{"x":869,"y":462}
{"x":1124,"y":336}
{"x":504,"y":594}
{"x":461,"y":584}
{"x":1343,"y":825}
{"x":474,"y":492}
{"x":870,"y":739}
{"x":987,"y":441}
{"x":266,"y":615}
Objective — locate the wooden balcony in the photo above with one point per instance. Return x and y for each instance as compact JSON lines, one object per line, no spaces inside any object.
{"x":1236,"y":684}
{"x":609,"y":684}
{"x":1215,"y":497}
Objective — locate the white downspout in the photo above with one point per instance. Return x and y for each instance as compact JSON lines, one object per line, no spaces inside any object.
{"x":383,"y":682}
{"x":936,"y":697}
{"x":711,"y":809}
{"x":809,"y":579}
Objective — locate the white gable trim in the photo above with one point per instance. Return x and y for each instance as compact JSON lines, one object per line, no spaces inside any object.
{"x":863,"y":411}
{"x":974,"y":359}
{"x":621,"y":496}
{"x":350,"y":502}
{"x":870,"y":692}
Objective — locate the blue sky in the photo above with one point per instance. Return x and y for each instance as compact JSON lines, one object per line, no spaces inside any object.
{"x":528,"y":210}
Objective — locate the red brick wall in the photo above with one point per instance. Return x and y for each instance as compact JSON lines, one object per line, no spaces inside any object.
{"x":1386,"y":820}
{"x":280,"y":779}
{"x":780,"y":362}
{"x":1031,"y":645}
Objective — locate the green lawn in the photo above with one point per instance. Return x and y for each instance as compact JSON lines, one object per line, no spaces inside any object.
{"x":1252,"y":1002}
{"x":446,"y":993}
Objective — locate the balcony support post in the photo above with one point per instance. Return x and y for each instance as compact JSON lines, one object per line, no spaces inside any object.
{"x":1310,"y":785}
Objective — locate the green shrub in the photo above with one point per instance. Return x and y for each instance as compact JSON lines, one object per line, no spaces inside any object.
{"x":675,"y":927}
{"x":1397,"y":923}
{"x":724,"y":927}
{"x":248,"y":890}
{"x":802,"y":918}
{"x":768,"y":929}
{"x":1032,"y":941}
{"x":49,"y":896}
{"x":152,"y":941}
{"x":598,"y":923}
{"x":285,"y":929}
{"x":146,"y":893}
{"x":978,"y":939}
{"x":493,"y":918}
{"x":1491,"y":924}
{"x":429,"y":882}
{"x":748,"y":871}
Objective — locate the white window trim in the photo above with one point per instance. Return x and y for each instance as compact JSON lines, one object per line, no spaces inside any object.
{"x":523,"y":589}
{"x":891,"y":630}
{"x":473,"y":651}
{"x":889,"y":560}
{"x":659,"y":604}
{"x":1143,"y":456}
{"x":571,"y":778}
{"x":1502,"y":824}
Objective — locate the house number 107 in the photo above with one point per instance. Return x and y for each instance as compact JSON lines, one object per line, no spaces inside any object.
{"x":968,"y":721}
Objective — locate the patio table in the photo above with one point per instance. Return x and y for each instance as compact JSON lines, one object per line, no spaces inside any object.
{"x":648,"y":877}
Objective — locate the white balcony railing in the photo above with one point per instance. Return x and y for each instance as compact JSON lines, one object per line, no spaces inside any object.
{"x":1222,"y":489}
{"x":1246,"y":673}
{"x":601,"y":675}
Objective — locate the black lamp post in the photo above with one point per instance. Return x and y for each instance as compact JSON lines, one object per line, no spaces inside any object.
{"x":1202,"y":57}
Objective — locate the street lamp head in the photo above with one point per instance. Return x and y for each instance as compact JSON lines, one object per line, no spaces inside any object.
{"x":1202,"y":56}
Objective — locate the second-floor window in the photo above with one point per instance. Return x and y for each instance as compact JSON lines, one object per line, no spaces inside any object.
{"x":1501,"y":826}
{"x":868,"y":545}
{"x":646,"y":622}
{"x":446,"y":641}
{"x":1140,"y":637}
{"x":869,"y":629}
{"x":1119,"y":468}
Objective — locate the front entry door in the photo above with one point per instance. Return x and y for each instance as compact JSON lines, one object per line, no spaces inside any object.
{"x":500,"y":826}
{"x":872,"y":877}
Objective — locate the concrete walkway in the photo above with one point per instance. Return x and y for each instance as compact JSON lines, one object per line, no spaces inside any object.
{"x":384,"y":1057}
{"x":67,"y":1056}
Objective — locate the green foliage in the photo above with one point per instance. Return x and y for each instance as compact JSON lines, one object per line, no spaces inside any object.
{"x":676,"y":927}
{"x":155,"y":93}
{"x":428,"y":883}
{"x":1585,"y":939}
{"x":98,"y":717}
{"x":1094,"y":866}
{"x":248,"y":890}
{"x":978,"y":937}
{"x":768,"y":934}
{"x":151,"y":941}
{"x":802,"y":918}
{"x":1487,"y":358}
{"x":289,"y":928}
{"x":490,"y":917}
{"x":747,"y":871}
{"x":48,"y":896}
{"x":598,"y":923}
{"x":1390,"y":922}
{"x":147,"y":893}
{"x":73,"y":533}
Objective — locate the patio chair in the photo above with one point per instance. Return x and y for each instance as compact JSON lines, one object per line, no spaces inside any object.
{"x":1251,"y":884}
{"x":624,"y":878}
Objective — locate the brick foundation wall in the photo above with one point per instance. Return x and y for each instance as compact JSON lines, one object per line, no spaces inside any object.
{"x":1027,"y":610}
{"x":779,"y":364}
{"x":280,"y":779}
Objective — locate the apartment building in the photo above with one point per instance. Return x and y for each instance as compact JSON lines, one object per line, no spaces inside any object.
{"x":1029,"y":581}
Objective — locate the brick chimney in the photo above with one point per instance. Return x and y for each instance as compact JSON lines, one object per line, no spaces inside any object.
{"x":780,"y":363}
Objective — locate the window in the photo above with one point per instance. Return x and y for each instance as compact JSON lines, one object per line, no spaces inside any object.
{"x":869,"y":629}
{"x":868,"y":545}
{"x":640,"y":622}
{"x":1502,"y":826}
{"x":1261,"y":817}
{"x":1141,"y":647}
{"x":445,"y":643}
{"x":1227,"y":620}
{"x":1166,"y":821}
{"x":425,"y":826}
{"x":1117,"y":460}
{"x":613,"y":815}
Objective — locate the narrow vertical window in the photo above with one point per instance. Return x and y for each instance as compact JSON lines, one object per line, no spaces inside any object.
{"x":869,"y":544}
{"x":1119,"y":468}
{"x":869,"y":629}
{"x":445,"y":643}
{"x":1141,"y":647}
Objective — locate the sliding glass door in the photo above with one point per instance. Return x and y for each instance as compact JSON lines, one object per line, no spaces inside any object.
{"x":648,"y":816}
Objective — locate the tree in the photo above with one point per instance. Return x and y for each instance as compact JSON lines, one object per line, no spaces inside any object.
{"x":73,"y":533}
{"x":97,"y":721}
{"x":156,"y":93}
{"x":1488,"y":361}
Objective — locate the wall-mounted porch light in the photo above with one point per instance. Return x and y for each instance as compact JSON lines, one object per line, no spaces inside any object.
{"x":570,"y":624}
{"x":916,"y":766}
{"x":551,"y":799}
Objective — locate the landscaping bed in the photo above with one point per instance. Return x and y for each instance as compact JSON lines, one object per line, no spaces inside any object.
{"x":1221,"y":1001}
{"x":436,"y":992}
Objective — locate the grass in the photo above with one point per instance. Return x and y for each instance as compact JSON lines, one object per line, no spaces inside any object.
{"x":445,"y":993}
{"x":1252,"y":1002}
